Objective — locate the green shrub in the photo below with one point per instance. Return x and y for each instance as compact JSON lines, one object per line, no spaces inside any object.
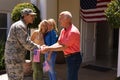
{"x":113,"y":13}
{"x":15,"y":15}
{"x":2,"y":47}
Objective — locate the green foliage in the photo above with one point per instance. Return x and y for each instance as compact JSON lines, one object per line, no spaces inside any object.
{"x":15,"y":15}
{"x":2,"y":47}
{"x":113,"y":13}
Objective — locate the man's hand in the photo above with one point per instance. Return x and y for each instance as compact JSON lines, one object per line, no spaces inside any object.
{"x":44,"y":49}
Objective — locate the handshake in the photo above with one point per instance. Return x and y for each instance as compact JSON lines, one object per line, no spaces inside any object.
{"x":36,"y":57}
{"x":44,"y":49}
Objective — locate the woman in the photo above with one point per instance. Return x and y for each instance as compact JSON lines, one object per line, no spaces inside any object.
{"x":51,"y":38}
{"x":38,"y":38}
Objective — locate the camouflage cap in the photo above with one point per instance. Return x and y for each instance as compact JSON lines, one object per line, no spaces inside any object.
{"x":27,"y":11}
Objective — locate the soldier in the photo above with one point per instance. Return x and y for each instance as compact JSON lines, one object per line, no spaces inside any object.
{"x":17,"y":43}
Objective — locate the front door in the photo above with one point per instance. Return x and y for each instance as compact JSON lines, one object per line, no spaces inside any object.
{"x":106,"y":45}
{"x":88,"y":31}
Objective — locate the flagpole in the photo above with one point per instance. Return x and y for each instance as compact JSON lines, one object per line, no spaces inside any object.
{"x":118,"y":67}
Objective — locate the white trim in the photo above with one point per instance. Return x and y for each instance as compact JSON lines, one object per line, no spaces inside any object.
{"x":118,"y":67}
{"x":9,"y":21}
{"x":94,"y":44}
{"x":34,"y":2}
{"x":43,"y":8}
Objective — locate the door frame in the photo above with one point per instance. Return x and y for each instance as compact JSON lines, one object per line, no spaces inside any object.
{"x":84,"y":42}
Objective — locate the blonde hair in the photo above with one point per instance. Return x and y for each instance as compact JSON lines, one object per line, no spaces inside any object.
{"x":43,"y":23}
{"x":53,"y":23}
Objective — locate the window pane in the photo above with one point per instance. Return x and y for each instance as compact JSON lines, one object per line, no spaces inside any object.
{"x":3,"y":25}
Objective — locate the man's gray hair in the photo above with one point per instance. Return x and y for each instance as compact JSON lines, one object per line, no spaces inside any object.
{"x":66,"y":13}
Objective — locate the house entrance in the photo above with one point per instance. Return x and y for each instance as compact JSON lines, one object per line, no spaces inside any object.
{"x":106,"y":45}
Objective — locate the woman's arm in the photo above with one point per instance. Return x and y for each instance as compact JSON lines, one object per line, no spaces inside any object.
{"x":33,"y":36}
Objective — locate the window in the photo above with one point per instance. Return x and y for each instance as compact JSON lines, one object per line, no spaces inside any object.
{"x":3,"y":26}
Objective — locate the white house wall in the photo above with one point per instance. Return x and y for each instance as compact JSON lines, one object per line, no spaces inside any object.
{"x":52,"y":9}
{"x":7,"y":5}
{"x":48,"y":9}
{"x":24,"y":1}
{"x":73,"y":6}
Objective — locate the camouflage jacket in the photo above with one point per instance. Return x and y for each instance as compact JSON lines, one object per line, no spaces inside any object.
{"x":18,"y":42}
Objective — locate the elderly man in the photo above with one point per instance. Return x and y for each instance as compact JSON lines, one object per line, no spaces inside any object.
{"x":69,"y":43}
{"x":17,"y":43}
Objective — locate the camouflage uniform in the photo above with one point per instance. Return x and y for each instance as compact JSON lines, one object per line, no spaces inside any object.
{"x":17,"y":43}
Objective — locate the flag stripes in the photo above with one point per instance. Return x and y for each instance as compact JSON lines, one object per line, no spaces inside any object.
{"x":95,"y":14}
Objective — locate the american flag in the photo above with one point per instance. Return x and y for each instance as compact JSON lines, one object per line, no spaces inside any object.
{"x":93,"y":10}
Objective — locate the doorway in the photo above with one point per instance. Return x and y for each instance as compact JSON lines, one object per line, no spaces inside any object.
{"x":88,"y":41}
{"x":106,"y":45}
